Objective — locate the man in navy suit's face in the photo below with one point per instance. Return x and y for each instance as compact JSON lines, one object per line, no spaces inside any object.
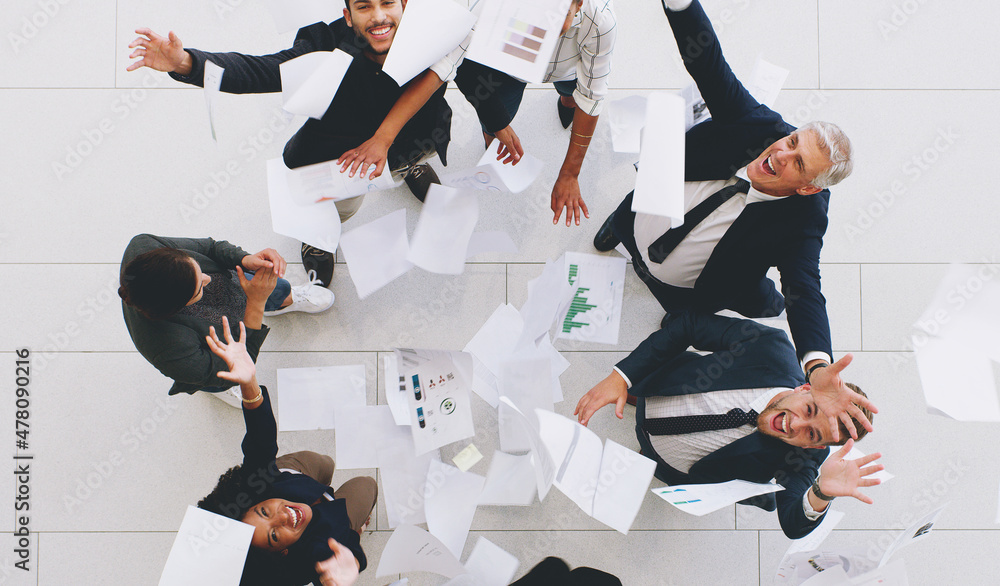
{"x":789,"y":166}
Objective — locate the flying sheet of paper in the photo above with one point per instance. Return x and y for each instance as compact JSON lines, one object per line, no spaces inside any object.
{"x":659,"y":186}
{"x":998,"y":512}
{"x":376,"y":252}
{"x":855,"y":453}
{"x":438,"y":385}
{"x":627,"y":116}
{"x":467,"y":458}
{"x":484,"y":383}
{"x":411,"y":549}
{"x":213,"y":81}
{"x":893,"y":574}
{"x":489,"y":174}
{"x":621,"y":486}
{"x":958,"y":380}
{"x":290,"y":15}
{"x":527,"y":384}
{"x":595,"y":310}
{"x":208,"y":549}
{"x":918,"y":531}
{"x":403,"y":477}
{"x":491,"y":241}
{"x":701,"y":499}
{"x":766,"y":82}
{"x":317,"y":225}
{"x":695,"y":110}
{"x":490,"y":565}
{"x":835,"y":576}
{"x":310,"y":82}
{"x":576,"y":452}
{"x":309,"y":397}
{"x":549,"y":295}
{"x":441,"y":239}
{"x":544,"y":467}
{"x":450,"y":499}
{"x":800,"y":567}
{"x":964,"y":308}
{"x":510,"y":481}
{"x":395,"y":391}
{"x":361,"y":430}
{"x":518,"y":37}
{"x":818,"y":535}
{"x":429,"y":30}
{"x":324,"y":182}
{"x":497,"y":339}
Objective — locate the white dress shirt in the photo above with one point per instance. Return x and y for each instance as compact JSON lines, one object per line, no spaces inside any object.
{"x":584,"y":53}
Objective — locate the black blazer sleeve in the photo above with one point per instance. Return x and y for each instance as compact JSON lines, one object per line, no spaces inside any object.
{"x":800,"y":469}
{"x":479,"y":84}
{"x":260,"y":443}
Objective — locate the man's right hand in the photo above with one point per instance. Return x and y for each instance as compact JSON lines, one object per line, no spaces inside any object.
{"x":509,"y":147}
{"x":612,"y":389}
{"x":159,"y":53}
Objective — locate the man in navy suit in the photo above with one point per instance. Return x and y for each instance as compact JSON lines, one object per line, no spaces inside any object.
{"x":742,"y":412}
{"x":755,"y":197}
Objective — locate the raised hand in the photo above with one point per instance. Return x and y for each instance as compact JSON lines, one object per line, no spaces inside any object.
{"x":612,"y":389}
{"x":340,"y":569}
{"x":241,"y":367}
{"x":837,"y":401}
{"x":165,"y":54}
{"x":510,"y":146}
{"x":840,"y":477}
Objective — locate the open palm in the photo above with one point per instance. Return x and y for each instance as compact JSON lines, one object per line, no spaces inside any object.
{"x":234,"y":352}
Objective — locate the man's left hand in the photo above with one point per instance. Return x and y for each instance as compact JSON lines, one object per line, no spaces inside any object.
{"x":840,"y":477}
{"x":265,"y":259}
{"x":372,"y":153}
{"x":566,"y":195}
{"x":837,"y":401}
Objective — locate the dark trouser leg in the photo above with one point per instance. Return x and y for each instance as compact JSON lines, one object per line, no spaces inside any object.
{"x":360,"y":494}
{"x":316,"y":466}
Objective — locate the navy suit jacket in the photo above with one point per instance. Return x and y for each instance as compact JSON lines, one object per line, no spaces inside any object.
{"x":744,"y":355}
{"x":787,"y":234}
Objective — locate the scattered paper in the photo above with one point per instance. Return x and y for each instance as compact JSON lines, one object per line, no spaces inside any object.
{"x":549,"y":295}
{"x":438,"y":385}
{"x":403,"y":477}
{"x":893,"y":574}
{"x":361,"y":430}
{"x":290,"y":15}
{"x":467,"y":458}
{"x":208,"y":549}
{"x":826,"y":567}
{"x":376,"y":252}
{"x":701,"y":499}
{"x":490,"y":565}
{"x":915,"y":532}
{"x":544,"y":467}
{"x":395,"y":391}
{"x":493,"y":241}
{"x":659,"y":186}
{"x":450,"y":499}
{"x":766,"y":82}
{"x":489,"y":174}
{"x":441,"y":240}
{"x":818,"y":535}
{"x":595,"y":309}
{"x":627,"y":117}
{"x":324,"y":182}
{"x":621,"y":486}
{"x":497,"y":339}
{"x":518,"y":37}
{"x":213,"y":81}
{"x":309,"y":397}
{"x":510,"y":481}
{"x":310,"y":82}
{"x":835,"y":576}
{"x":527,"y":384}
{"x":317,"y":225}
{"x":429,"y":30}
{"x":411,"y":549}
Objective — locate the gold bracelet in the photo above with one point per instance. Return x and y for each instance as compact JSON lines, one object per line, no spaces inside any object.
{"x":260,"y":395}
{"x":580,"y":145}
{"x":583,"y":136}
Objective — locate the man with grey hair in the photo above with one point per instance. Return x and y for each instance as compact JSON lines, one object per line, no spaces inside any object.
{"x":755,"y":197}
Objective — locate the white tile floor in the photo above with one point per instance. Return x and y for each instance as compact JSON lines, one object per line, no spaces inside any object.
{"x":93,"y":155}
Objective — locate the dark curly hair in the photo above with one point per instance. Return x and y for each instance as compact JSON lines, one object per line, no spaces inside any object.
{"x":231,"y":496}
{"x":158,"y":283}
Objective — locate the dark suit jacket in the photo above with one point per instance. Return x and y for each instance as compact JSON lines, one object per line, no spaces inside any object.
{"x":744,"y":355}
{"x":787,"y":234}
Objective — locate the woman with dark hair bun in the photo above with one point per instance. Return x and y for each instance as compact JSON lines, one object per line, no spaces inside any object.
{"x":174,"y":289}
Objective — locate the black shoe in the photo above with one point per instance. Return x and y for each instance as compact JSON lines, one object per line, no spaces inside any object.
{"x":419,"y":179}
{"x":605,"y":239}
{"x":321,"y":261}
{"x":565,"y":113}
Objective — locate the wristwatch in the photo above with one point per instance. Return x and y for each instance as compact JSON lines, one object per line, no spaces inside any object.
{"x":819,"y":493}
{"x":811,"y":370}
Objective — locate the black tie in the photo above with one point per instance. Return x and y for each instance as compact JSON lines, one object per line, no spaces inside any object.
{"x":663,"y":245}
{"x":696,"y":423}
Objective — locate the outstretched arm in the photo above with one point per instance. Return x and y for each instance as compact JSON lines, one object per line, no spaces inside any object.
{"x":840,"y":477}
{"x":242,"y":369}
{"x":836,"y":400}
{"x":566,"y":191}
{"x":613,"y":389}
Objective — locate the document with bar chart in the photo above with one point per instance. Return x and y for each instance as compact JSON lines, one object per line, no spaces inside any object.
{"x":518,"y":37}
{"x":595,"y":311}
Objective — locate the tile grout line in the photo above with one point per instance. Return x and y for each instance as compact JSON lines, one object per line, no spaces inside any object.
{"x":861,"y":310}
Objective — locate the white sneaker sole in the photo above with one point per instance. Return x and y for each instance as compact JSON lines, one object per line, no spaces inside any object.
{"x":291,"y":308}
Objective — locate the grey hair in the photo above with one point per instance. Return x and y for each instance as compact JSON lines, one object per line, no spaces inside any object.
{"x":835,"y":143}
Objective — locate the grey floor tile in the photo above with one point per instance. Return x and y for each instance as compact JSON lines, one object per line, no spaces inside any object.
{"x":83,"y":558}
{"x":19,"y":564}
{"x":894,"y":299}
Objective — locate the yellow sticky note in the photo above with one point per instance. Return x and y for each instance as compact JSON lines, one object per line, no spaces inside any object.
{"x":467,"y":458}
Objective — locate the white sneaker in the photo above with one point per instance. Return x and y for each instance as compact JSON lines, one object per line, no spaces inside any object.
{"x":311,"y":297}
{"x":232,"y":397}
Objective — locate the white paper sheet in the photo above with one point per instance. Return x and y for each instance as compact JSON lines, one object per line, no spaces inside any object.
{"x":549,"y":295}
{"x":627,"y":117}
{"x":485,"y":383}
{"x":527,"y":383}
{"x":438,"y":385}
{"x":310,"y":82}
{"x":893,"y":574}
{"x":208,"y":549}
{"x":491,"y":241}
{"x":576,"y":452}
{"x":621,"y":486}
{"x":395,"y":391}
{"x":441,"y":239}
{"x":317,"y":225}
{"x":510,"y":481}
{"x":595,"y":309}
{"x":497,"y":339}
{"x":835,"y":576}
{"x":429,"y":30}
{"x":403,"y":477}
{"x":544,"y":467}
{"x":490,"y":565}
{"x":212,"y":83}
{"x":361,"y":430}
{"x":518,"y":37}
{"x":701,"y":499}
{"x":309,"y":397}
{"x":324,"y":182}
{"x":376,"y":252}
{"x":801,"y":567}
{"x":818,"y":535}
{"x":491,"y":175}
{"x":450,"y":499}
{"x":659,"y":186}
{"x":290,"y":15}
{"x":766,"y":82}
{"x":918,"y":531}
{"x":411,"y":549}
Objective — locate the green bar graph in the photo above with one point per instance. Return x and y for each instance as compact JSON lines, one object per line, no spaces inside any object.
{"x":578,"y":306}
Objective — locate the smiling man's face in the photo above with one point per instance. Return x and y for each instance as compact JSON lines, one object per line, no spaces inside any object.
{"x":375,"y":21}
{"x":793,"y":418}
{"x":789,"y":166}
